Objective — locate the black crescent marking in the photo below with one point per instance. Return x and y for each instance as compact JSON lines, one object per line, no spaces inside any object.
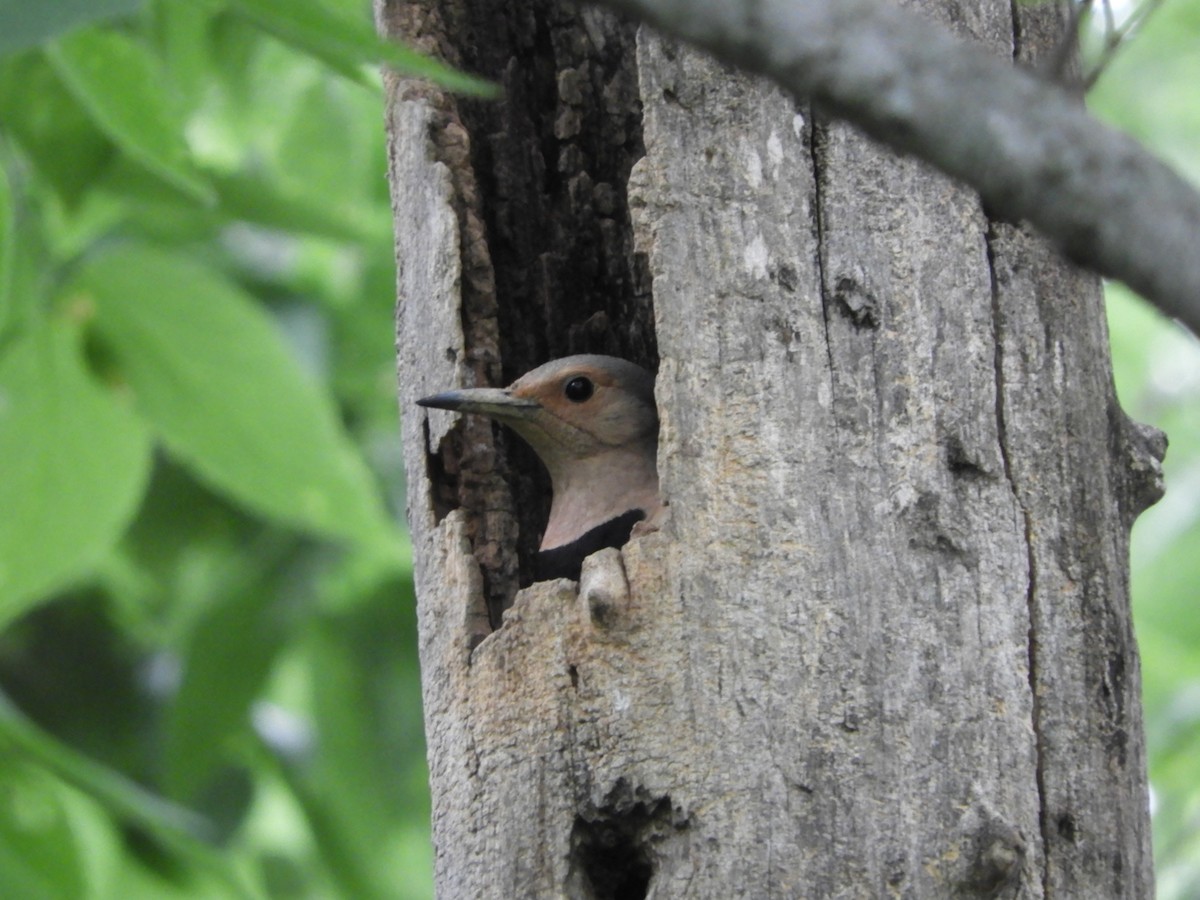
{"x":567,"y":560}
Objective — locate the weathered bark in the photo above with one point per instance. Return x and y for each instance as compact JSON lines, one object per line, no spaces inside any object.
{"x":882,"y":647}
{"x":1027,"y":145}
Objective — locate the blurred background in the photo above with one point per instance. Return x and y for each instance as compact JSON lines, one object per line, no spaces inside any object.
{"x":208,"y":671}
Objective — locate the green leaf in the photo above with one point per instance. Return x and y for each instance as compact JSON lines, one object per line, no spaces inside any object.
{"x":74,"y":461}
{"x":352,"y":791}
{"x":121,"y":85}
{"x":170,"y":567}
{"x":125,"y":799}
{"x":24,"y":24}
{"x":66,"y":148}
{"x":253,"y":198}
{"x":168,"y":828}
{"x":212,"y":374}
{"x":7,"y":238}
{"x":345,"y":42}
{"x":181,"y":30}
{"x":38,"y":852}
{"x":231,"y":651}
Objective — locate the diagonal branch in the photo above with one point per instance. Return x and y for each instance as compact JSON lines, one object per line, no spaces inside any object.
{"x":1026,"y":145}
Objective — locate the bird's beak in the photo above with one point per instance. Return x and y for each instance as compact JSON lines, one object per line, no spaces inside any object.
{"x":497,"y":403}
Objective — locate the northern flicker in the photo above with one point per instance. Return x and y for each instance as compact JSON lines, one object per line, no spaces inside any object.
{"x":592,"y":422}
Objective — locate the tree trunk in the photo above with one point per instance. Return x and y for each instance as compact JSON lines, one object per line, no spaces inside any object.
{"x":882,"y":646}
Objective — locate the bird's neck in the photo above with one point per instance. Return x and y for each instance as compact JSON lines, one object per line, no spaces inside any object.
{"x":589,"y":492}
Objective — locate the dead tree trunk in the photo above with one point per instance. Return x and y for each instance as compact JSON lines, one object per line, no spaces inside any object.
{"x":883,"y":646}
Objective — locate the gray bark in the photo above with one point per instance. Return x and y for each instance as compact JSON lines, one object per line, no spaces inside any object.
{"x":1025,"y":144}
{"x":882,"y":646}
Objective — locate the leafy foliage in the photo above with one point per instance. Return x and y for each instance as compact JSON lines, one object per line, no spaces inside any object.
{"x":209,"y":686}
{"x":63,"y":436}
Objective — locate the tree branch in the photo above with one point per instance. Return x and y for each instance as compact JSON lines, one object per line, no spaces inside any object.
{"x":1026,"y":145}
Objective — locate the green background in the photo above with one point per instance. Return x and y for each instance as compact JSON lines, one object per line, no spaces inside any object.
{"x":208,"y":675}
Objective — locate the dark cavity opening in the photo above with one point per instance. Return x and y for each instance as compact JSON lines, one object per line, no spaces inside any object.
{"x":614,"y":848}
{"x":613,"y":865}
{"x":551,"y":162}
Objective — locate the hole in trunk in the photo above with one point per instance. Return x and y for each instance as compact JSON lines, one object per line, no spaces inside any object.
{"x":614,"y":853}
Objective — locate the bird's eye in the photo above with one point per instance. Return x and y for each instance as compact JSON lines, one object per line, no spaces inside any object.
{"x":579,"y":389}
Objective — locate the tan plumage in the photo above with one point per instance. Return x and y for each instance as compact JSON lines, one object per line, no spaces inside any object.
{"x":593,"y":423}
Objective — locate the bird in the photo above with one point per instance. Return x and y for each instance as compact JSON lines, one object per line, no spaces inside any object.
{"x":592,"y":422}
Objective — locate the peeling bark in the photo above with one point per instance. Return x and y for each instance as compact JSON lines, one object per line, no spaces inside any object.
{"x":882,"y":645}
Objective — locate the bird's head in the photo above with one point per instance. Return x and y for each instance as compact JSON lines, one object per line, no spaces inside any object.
{"x":593,"y":423}
{"x":569,"y":409}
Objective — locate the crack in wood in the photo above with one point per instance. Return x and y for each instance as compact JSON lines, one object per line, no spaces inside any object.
{"x":999,"y":336}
